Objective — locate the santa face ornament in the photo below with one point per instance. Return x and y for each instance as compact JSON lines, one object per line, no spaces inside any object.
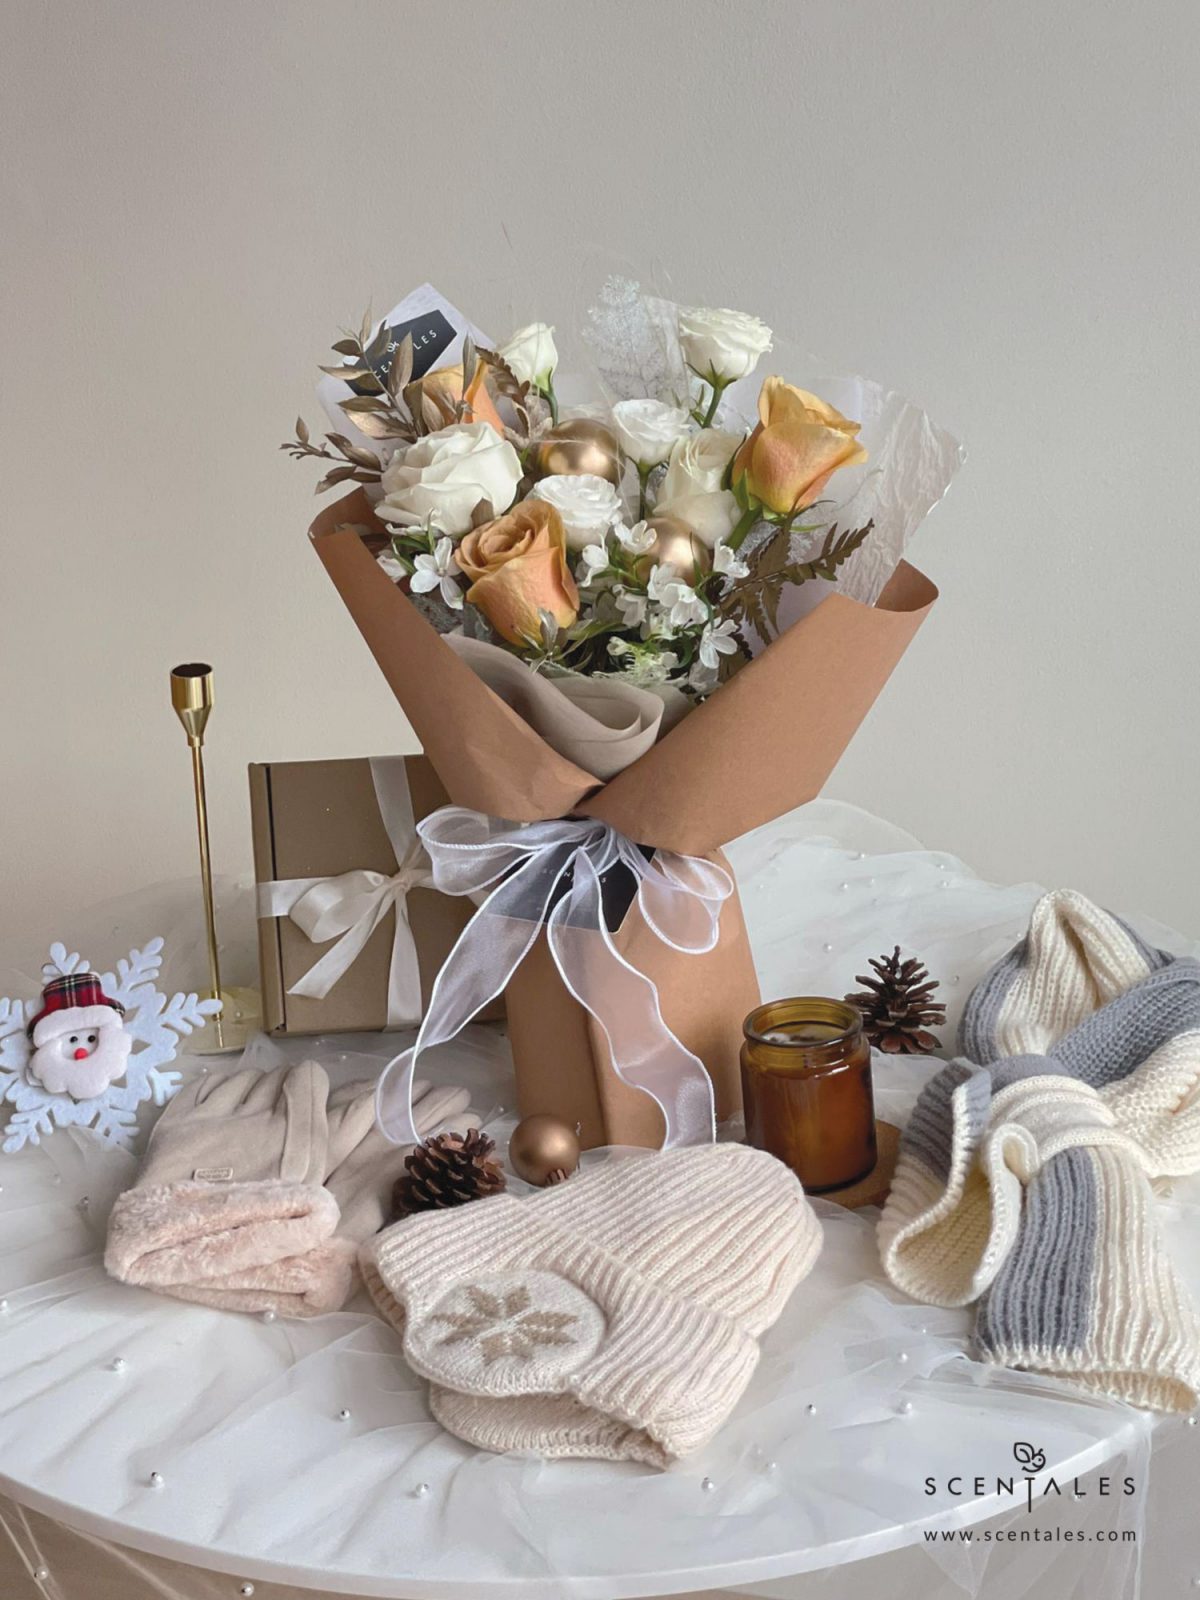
{"x":80,"y":1044}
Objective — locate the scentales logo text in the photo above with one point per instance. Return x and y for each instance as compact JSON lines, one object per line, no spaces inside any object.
{"x":1022,"y":1483}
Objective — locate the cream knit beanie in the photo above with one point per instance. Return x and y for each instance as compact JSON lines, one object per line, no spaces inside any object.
{"x":616,"y":1315}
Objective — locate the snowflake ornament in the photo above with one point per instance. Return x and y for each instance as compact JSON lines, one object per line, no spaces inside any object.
{"x":151,"y":1024}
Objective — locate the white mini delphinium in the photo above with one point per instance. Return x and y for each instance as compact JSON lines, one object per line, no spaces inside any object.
{"x":637,"y":540}
{"x":437,"y":569}
{"x":717,"y":640}
{"x":633,"y":607}
{"x":726,"y":562}
{"x":593,"y":564}
{"x":681,"y":606}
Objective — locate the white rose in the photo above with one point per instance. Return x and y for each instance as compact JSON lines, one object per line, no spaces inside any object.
{"x":531,"y":354}
{"x":587,"y":505}
{"x":647,"y":429}
{"x":722,"y":345}
{"x":446,"y":474}
{"x":691,"y":489}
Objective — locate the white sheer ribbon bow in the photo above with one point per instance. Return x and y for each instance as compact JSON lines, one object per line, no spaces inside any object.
{"x":351,"y":906}
{"x":548,"y":874}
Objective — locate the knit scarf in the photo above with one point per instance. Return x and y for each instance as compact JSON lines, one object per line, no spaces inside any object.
{"x":1027,"y":1173}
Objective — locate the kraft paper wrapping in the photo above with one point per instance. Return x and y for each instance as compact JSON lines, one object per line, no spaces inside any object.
{"x":318,"y":819}
{"x":703,"y":999}
{"x":764,"y":743}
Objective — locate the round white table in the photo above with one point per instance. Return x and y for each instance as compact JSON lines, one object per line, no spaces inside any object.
{"x":152,"y":1448}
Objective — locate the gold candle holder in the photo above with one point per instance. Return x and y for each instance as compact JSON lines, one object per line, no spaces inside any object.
{"x":192,"y":698}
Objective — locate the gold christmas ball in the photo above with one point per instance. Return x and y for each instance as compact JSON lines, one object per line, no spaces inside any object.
{"x":543,"y":1150}
{"x":579,"y":445}
{"x":675,"y":545}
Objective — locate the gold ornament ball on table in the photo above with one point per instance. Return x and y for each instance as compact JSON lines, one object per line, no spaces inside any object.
{"x":675,"y":545}
{"x":579,"y":445}
{"x":543,"y":1150}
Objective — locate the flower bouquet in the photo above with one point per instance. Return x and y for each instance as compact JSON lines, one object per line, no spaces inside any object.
{"x":593,"y":615}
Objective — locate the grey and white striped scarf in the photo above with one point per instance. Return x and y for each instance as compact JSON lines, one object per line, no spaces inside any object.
{"x":1027,"y":1172}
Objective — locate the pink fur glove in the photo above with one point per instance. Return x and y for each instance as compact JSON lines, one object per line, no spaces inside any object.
{"x":258,"y":1188}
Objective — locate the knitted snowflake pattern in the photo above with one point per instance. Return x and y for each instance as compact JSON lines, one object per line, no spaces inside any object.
{"x":154,"y":1022}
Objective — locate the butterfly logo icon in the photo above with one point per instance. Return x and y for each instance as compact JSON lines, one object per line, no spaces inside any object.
{"x":1032,"y":1460}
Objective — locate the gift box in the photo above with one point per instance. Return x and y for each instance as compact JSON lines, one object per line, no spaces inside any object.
{"x":764,"y":743}
{"x":351,"y":935}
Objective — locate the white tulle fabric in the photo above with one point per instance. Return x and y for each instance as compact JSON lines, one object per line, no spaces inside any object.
{"x":549,"y":874}
{"x":817,"y":1484}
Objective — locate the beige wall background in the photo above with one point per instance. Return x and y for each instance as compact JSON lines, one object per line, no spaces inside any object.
{"x":992,"y":206}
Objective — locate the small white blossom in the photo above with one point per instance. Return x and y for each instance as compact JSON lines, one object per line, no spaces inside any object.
{"x":637,"y":540}
{"x":681,"y":605}
{"x":438,"y":571}
{"x":727,"y":562}
{"x":633,"y":607}
{"x":661,"y":584}
{"x":592,"y":562}
{"x":686,"y":607}
{"x":716,"y":641}
{"x":701,"y":678}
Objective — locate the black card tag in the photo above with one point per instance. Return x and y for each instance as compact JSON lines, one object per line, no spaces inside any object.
{"x":432,"y":335}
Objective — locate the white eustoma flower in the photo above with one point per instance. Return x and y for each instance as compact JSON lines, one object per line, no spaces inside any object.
{"x":531,"y":354}
{"x":727,"y":563}
{"x":648,"y":429}
{"x":691,"y":489}
{"x":439,"y":571}
{"x":637,"y":540}
{"x":721,"y":345}
{"x":443,"y":477}
{"x":716,"y":641}
{"x":588,"y":505}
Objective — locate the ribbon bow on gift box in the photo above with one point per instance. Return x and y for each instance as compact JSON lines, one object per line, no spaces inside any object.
{"x":549,"y":875}
{"x":350,"y":906}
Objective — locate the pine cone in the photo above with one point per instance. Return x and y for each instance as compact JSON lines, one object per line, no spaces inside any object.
{"x":896,"y":1008}
{"x":447,"y":1170}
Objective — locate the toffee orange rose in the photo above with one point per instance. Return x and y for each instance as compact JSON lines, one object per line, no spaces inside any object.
{"x":797,"y":446}
{"x":518,"y":569}
{"x":445,"y":388}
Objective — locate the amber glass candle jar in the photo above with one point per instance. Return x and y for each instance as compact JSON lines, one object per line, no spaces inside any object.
{"x":806,"y":1085}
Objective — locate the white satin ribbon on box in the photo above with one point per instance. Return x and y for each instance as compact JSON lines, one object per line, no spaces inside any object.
{"x":526,"y":867}
{"x":353,"y":904}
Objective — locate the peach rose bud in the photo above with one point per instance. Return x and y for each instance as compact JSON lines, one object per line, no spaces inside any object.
{"x":797,"y":446}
